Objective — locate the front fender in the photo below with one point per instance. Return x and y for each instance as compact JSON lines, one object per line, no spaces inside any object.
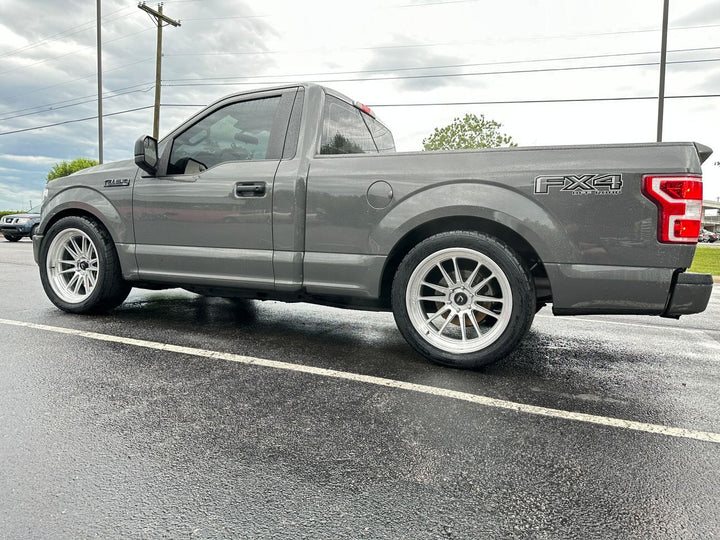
{"x":479,"y":200}
{"x":116,"y":217}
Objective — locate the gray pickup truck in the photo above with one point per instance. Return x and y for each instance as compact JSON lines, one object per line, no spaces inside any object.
{"x":297,"y":194}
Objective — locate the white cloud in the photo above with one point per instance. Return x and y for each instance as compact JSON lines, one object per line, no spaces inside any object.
{"x":279,"y":37}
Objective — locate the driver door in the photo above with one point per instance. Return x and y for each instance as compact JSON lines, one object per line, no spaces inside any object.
{"x":206,"y":217}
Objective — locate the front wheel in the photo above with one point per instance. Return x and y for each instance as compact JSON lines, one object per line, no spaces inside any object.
{"x":463,"y":299}
{"x":79,"y":267}
{"x":12,"y":238}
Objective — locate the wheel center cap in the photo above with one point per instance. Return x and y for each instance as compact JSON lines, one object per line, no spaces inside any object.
{"x":83,"y":265}
{"x":461,"y":299}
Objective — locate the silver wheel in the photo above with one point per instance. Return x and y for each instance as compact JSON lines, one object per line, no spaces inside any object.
{"x":459,"y":300}
{"x":72,"y":265}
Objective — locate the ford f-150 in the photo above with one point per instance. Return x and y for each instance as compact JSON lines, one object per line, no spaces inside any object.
{"x":296,"y":193}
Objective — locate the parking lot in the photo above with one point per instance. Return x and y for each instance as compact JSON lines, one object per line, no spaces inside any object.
{"x":183,"y":416}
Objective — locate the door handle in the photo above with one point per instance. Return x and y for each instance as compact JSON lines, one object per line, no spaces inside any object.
{"x":250,"y":189}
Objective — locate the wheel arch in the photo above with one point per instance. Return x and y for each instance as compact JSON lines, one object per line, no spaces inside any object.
{"x":77,"y":212}
{"x":124,"y":251}
{"x":90,"y":203}
{"x":520,"y":245}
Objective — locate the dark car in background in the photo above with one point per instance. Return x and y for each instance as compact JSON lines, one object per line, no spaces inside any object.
{"x":16,"y":226}
{"x":707,"y":236}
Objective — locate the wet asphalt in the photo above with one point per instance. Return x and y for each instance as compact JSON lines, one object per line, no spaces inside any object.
{"x":112,"y":440}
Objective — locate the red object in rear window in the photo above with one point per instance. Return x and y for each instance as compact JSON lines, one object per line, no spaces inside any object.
{"x":679,"y":202}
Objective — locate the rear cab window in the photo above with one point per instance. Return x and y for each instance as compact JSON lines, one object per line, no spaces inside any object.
{"x":347,"y":130}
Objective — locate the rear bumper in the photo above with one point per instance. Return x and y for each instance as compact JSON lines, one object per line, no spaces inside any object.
{"x":690,"y":294}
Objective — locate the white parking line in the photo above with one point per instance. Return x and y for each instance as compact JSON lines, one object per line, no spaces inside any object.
{"x":389,"y":383}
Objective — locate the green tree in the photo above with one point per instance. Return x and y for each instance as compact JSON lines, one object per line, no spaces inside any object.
{"x":65,"y":168}
{"x":468,"y":132}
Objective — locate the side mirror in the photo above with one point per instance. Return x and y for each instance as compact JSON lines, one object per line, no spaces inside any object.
{"x":146,"y":151}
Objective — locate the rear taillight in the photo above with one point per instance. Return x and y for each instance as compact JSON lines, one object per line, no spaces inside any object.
{"x":679,"y":202}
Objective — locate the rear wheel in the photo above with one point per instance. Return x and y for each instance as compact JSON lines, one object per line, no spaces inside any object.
{"x":11,"y":238}
{"x":463,"y":299}
{"x":79,"y":267}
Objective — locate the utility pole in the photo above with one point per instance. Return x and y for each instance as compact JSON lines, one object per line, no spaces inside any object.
{"x":99,"y":81}
{"x":663,"y":58}
{"x":160,"y":20}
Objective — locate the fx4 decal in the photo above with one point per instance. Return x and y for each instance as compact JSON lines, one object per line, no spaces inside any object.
{"x":580,"y":184}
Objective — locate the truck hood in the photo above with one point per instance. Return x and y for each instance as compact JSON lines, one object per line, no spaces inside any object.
{"x":23,"y":215}
{"x":124,"y":165}
{"x":125,"y":168}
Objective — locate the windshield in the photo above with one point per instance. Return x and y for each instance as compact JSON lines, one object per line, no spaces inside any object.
{"x":34,"y":209}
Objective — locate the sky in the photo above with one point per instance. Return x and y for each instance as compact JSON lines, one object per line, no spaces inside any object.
{"x":552,"y":72}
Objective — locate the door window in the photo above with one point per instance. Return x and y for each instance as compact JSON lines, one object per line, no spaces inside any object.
{"x":238,"y":132}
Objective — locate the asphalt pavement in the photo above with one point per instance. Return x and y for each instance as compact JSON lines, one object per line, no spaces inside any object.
{"x":183,"y":416}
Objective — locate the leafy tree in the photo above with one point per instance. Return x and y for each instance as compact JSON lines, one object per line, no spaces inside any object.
{"x":468,"y":132}
{"x":65,"y":168}
{"x":341,"y":145}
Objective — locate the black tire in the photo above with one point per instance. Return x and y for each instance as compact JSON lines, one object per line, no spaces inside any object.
{"x":108,"y":290}
{"x":12,"y":238}
{"x":479,"y":306}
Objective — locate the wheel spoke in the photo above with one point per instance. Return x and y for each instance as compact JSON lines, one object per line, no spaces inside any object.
{"x":473,"y":320}
{"x":75,"y":255}
{"x":433,"y":298}
{"x":438,"y":313}
{"x":471,"y":278}
{"x":447,"y":321}
{"x":76,"y":288}
{"x":72,"y":280}
{"x":438,"y":288}
{"x":60,"y":261}
{"x":77,"y":248}
{"x":458,"y":277}
{"x":485,"y":311}
{"x":481,"y":298}
{"x":483,"y":283}
{"x":67,"y":270}
{"x":463,"y":332}
{"x":447,"y":277}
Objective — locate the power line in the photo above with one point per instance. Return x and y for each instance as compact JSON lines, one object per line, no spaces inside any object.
{"x":114,"y":93}
{"x":446,"y":75}
{"x":108,"y":93}
{"x":57,"y":108}
{"x":63,"y":33}
{"x":51,"y":106}
{"x":69,"y":81}
{"x":76,"y":120}
{"x":504,"y":102}
{"x":501,"y":62}
{"x":423,"y":45}
{"x":434,"y":104}
{"x":72,"y":52}
{"x":540,"y":101}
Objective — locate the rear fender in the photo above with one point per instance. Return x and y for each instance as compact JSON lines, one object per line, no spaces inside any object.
{"x":485,"y":201}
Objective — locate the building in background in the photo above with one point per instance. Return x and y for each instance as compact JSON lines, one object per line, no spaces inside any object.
{"x":711,"y":216}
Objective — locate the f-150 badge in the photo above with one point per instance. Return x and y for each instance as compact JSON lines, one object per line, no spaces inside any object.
{"x":580,"y":184}
{"x":117,"y":182}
